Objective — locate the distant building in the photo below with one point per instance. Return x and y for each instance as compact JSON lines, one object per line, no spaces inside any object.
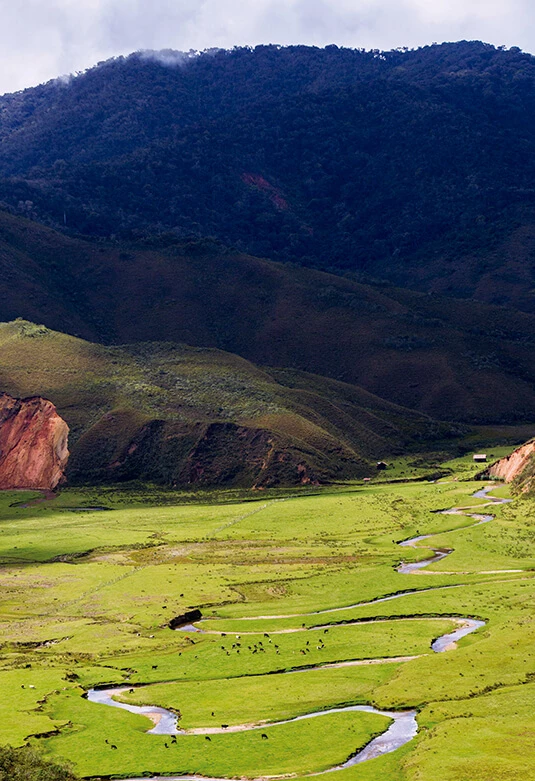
{"x":381,"y":465}
{"x":480,"y":458}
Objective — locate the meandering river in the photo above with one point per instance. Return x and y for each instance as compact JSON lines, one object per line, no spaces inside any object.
{"x":403,"y":727}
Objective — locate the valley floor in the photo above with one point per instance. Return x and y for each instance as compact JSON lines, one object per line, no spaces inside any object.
{"x":306,"y":610}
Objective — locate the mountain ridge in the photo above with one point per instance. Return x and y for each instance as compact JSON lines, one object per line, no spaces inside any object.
{"x":446,"y":358}
{"x":414,"y":166}
{"x":179,"y":415}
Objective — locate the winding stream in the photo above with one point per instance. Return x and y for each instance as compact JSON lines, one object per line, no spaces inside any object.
{"x":448,"y":642}
{"x":403,"y":727}
{"x":165,"y":722}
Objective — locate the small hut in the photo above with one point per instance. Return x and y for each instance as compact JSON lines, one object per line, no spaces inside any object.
{"x":480,"y":458}
{"x":381,"y":465}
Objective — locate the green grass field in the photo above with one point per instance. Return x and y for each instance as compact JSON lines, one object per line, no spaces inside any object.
{"x":287,"y":585}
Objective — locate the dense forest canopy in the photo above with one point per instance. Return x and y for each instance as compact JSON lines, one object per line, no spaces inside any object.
{"x":416,"y":166}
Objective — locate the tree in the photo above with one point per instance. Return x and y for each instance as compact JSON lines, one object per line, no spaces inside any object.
{"x":26,"y":764}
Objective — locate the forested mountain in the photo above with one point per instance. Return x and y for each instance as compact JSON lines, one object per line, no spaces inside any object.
{"x":417,"y":166}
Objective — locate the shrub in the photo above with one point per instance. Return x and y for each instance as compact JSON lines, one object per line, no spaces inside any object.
{"x":26,"y":764}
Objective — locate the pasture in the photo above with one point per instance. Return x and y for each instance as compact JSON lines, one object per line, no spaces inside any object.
{"x":303,"y":612}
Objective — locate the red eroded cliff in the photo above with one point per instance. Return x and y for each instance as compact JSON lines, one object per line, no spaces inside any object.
{"x":514,"y":464}
{"x":33,"y":443}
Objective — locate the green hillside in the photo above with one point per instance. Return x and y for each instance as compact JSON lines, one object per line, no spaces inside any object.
{"x":183,"y":415}
{"x":450,"y":359}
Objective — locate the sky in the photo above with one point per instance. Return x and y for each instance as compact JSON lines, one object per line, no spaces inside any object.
{"x":44,"y":39}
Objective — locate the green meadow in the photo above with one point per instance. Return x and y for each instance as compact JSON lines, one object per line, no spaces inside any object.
{"x":289,"y":585}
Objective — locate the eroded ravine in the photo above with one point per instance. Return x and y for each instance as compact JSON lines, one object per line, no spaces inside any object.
{"x":403,"y":727}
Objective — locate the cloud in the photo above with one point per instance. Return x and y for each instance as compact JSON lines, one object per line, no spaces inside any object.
{"x":42,"y":39}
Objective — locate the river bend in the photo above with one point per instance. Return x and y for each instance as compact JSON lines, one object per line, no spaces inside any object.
{"x":403,"y":727}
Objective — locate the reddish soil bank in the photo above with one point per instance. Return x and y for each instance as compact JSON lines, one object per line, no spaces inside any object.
{"x":33,"y":443}
{"x":511,"y":466}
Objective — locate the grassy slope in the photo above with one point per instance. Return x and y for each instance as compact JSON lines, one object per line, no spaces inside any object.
{"x":451,"y":359}
{"x":178,"y":414}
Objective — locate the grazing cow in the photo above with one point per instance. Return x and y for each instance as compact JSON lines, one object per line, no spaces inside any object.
{"x":207,"y":737}
{"x":114,"y":747}
{"x":213,"y":714}
{"x":224,"y":726}
{"x":173,"y":739}
{"x":264,"y":736}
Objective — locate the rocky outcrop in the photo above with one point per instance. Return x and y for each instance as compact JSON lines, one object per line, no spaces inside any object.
{"x":33,"y":443}
{"x":513,"y":465}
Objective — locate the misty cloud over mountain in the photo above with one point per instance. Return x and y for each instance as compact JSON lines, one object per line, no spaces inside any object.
{"x":40,"y":41}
